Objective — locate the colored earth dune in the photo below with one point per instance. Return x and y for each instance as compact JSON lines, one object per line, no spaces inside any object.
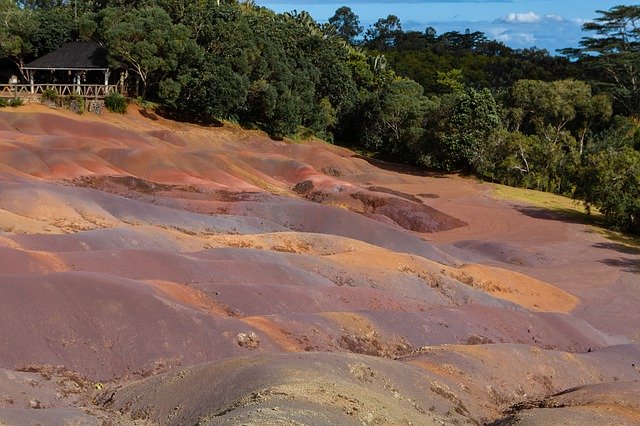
{"x":154,"y":272}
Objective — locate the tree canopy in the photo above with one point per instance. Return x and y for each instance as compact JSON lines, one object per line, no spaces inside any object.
{"x":612,"y":55}
{"x":347,"y":24}
{"x":456,"y":101}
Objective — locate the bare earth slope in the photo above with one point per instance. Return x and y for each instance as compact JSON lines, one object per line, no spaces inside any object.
{"x":157,"y":272}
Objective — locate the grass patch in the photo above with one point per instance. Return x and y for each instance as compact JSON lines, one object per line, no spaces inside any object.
{"x":147,"y":104}
{"x":563,"y":206}
{"x":629,"y":241}
{"x":567,"y":208}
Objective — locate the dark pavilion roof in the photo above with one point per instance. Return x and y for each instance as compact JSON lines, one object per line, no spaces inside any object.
{"x":81,"y":55}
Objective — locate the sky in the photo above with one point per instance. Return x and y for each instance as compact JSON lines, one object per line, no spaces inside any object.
{"x":546,"y":24}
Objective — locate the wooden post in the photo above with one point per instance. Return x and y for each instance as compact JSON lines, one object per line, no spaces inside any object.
{"x":123,"y":78}
{"x":14,"y":81}
{"x":31,"y":72}
{"x":107,"y":73}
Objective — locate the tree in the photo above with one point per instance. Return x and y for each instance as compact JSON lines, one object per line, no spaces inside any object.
{"x":41,"y":4}
{"x":506,"y":157}
{"x":612,"y":55}
{"x":55,"y":27}
{"x":464,"y":122}
{"x":347,"y":24}
{"x":145,"y":41}
{"x":561,"y":114}
{"x":383,"y":33}
{"x":393,"y":118}
{"x":26,"y":33}
{"x":17,"y":25}
{"x":548,"y":109}
{"x":611,"y":182}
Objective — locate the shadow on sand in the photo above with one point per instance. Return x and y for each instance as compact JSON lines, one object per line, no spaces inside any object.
{"x":626,"y":264}
{"x":405,"y":169}
{"x":559,"y":214}
{"x":621,"y":248}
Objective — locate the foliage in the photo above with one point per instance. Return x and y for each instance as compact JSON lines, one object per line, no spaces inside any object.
{"x":50,"y":95}
{"x":347,"y":24}
{"x":562,"y":115}
{"x":611,"y":182}
{"x":15,"y":102}
{"x":4,"y":102}
{"x":392,"y":118}
{"x":459,"y":129}
{"x":17,"y":26}
{"x":383,"y":33}
{"x":144,"y":40}
{"x":115,"y":102}
{"x":612,"y":55}
{"x":455,"y":101}
{"x":75,"y":103}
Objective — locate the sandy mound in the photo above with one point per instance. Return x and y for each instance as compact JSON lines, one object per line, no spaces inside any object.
{"x":428,"y":387}
{"x":521,"y":289}
{"x":274,"y":282}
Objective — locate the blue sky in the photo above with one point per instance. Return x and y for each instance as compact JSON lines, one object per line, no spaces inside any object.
{"x":547,"y":24}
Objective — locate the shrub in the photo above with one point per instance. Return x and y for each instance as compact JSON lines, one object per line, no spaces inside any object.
{"x":3,"y":103}
{"x":611,"y":181}
{"x":115,"y":102}
{"x":50,"y":95}
{"x":16,"y":102}
{"x":75,"y":103}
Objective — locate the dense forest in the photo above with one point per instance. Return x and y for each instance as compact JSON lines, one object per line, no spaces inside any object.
{"x":567,"y":124}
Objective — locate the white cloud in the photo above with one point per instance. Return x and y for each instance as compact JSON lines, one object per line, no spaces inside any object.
{"x":554,"y":17}
{"x":521,"y":18}
{"x":580,"y":21}
{"x":506,"y":36}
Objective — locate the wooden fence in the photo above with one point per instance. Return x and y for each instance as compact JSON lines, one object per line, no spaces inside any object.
{"x":88,"y":91}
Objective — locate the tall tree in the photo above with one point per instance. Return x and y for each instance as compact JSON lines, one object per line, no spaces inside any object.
{"x":613,"y":55}
{"x":383,"y":33}
{"x":145,"y":41}
{"x":16,"y":27}
{"x":459,"y":127}
{"x":611,"y":182}
{"x":347,"y":24}
{"x":41,"y":4}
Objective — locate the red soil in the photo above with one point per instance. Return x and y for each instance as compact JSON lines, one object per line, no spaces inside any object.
{"x":131,"y":246}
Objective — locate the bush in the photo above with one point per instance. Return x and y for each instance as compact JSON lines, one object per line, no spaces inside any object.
{"x":611,"y":181}
{"x":3,"y":103}
{"x":75,"y":103}
{"x":16,"y":102}
{"x":50,"y":95}
{"x":115,"y":102}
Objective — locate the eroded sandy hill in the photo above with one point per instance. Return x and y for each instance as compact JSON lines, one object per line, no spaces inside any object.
{"x":217,"y":276}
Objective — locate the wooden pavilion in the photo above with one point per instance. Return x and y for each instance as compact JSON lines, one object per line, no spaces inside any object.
{"x":79,"y":68}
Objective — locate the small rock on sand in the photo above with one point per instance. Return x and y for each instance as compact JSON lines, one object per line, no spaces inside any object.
{"x":248,"y":340}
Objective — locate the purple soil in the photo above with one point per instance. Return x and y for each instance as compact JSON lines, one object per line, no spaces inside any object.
{"x":130,"y":247}
{"x":106,"y":328}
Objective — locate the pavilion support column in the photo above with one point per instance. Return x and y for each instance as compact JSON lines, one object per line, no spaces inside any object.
{"x":107,"y":73}
{"x":31,"y":72}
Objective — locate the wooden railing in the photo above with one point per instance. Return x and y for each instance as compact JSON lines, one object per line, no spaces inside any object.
{"x":89,"y":91}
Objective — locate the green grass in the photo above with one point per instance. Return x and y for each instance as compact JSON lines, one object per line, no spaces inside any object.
{"x":565,"y":207}
{"x":624,"y":239}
